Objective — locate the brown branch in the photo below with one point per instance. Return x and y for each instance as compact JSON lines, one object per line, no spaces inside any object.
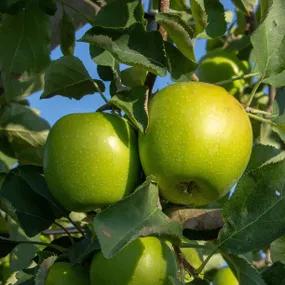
{"x":164,"y":8}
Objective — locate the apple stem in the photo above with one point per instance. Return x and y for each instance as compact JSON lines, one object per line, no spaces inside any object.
{"x":257,"y":111}
{"x":244,"y":76}
{"x":252,"y":94}
{"x":260,"y":119}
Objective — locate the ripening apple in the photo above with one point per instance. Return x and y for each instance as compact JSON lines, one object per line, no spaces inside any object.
{"x":91,"y":160}
{"x":225,"y":276}
{"x":146,"y":261}
{"x":220,"y":65}
{"x":197,"y":144}
{"x":64,"y":273}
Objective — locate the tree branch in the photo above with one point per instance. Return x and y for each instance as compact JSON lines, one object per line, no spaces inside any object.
{"x":272,"y":95}
{"x":164,"y":8}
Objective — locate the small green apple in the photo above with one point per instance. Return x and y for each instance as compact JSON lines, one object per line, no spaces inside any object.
{"x":91,"y":160}
{"x":220,"y":65}
{"x":146,"y":261}
{"x":64,"y":273}
{"x":225,"y":276}
{"x":197,"y":144}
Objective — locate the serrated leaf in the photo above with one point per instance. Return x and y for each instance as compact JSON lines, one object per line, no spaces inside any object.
{"x":25,"y":132}
{"x":18,"y":88}
{"x":137,"y":215}
{"x":269,"y":45}
{"x":279,"y":126}
{"x":133,"y":76}
{"x":179,"y":31}
{"x":274,"y":275}
{"x":68,"y":77}
{"x":209,"y":16}
{"x":106,"y":73}
{"x":34,"y":212}
{"x":67,"y":34}
{"x":244,"y":271}
{"x":132,"y":102}
{"x":24,"y":41}
{"x":135,"y":47}
{"x":101,"y":56}
{"x":254,"y":215}
{"x":120,"y":14}
{"x":261,"y":154}
{"x":277,"y":249}
{"x":180,"y":67}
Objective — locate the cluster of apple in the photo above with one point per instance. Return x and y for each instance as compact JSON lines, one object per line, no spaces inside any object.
{"x":197,"y":145}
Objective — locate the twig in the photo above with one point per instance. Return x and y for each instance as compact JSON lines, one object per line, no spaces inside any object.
{"x":244,"y":76}
{"x":93,"y":5}
{"x":272,"y":95}
{"x":65,"y":231}
{"x":183,"y":262}
{"x":71,"y":230}
{"x":207,"y":259}
{"x":76,"y":226}
{"x":100,"y":92}
{"x":164,"y":8}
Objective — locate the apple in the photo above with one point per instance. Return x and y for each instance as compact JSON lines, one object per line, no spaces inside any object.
{"x":197,"y":144}
{"x":64,"y":273}
{"x":220,"y":65}
{"x":146,"y":261}
{"x":91,"y":160}
{"x":193,"y":258}
{"x":225,"y":276}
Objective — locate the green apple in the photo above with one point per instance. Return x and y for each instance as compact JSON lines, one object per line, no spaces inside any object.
{"x":193,"y":258}
{"x":198,"y":142}
{"x":64,"y":273}
{"x":220,"y":65}
{"x":91,"y":160}
{"x":146,"y":261}
{"x":225,"y":276}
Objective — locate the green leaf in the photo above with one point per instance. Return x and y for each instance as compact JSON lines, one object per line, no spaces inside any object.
{"x":261,"y":155}
{"x":132,"y":102}
{"x":179,"y":32}
{"x":48,"y":6}
{"x":67,"y":34}
{"x":101,"y":56}
{"x":133,"y":76}
{"x":209,"y":16}
{"x":279,"y":126}
{"x":269,"y":45}
{"x":180,"y":67}
{"x":106,"y":73}
{"x":245,"y":5}
{"x":11,"y":6}
{"x":24,"y":41}
{"x":17,"y":88}
{"x":135,"y":47}
{"x":25,"y":133}
{"x":120,"y":14}
{"x":137,"y":215}
{"x":274,"y":275}
{"x":27,"y":195}
{"x":277,"y":249}
{"x":244,"y":271}
{"x":254,"y":215}
{"x":68,"y":77}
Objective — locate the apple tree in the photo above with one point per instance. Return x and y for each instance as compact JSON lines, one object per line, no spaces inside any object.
{"x":68,"y":211}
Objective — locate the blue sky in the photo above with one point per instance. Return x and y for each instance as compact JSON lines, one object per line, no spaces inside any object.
{"x":53,"y":108}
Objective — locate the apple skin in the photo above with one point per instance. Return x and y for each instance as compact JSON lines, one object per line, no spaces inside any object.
{"x":197,"y":144}
{"x":146,"y":261}
{"x":220,"y":65}
{"x":225,"y":276}
{"x":64,"y":273}
{"x":91,"y":160}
